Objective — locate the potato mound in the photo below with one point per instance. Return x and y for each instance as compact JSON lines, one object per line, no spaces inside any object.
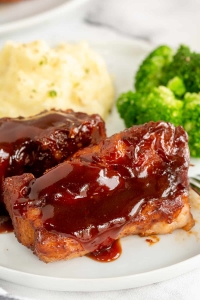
{"x":35,"y":77}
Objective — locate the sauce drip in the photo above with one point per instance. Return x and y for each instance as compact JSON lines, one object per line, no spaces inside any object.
{"x":108,"y":254}
{"x":5,"y":224}
{"x":5,"y":221}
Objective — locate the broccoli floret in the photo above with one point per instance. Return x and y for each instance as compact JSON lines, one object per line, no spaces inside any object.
{"x":123,"y":102}
{"x":191,"y":121}
{"x":176,"y":85}
{"x":159,"y":104}
{"x":168,"y":89}
{"x":150,"y":72}
{"x":126,"y":105}
{"x":185,"y":65}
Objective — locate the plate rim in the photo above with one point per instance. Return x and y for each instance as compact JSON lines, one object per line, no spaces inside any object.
{"x":41,"y":17}
{"x":100,"y":284}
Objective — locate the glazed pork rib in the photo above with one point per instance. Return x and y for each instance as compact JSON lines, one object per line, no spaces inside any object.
{"x":135,"y":182}
{"x":38,"y":143}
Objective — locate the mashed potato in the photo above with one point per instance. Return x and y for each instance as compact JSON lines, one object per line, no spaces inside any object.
{"x":35,"y":77}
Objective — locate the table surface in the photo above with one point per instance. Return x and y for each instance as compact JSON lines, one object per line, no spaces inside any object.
{"x":153,"y":22}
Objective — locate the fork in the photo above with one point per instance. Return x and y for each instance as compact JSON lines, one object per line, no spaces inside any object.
{"x":195,"y":182}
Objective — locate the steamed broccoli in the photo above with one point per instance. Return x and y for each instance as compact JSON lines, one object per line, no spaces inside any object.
{"x":150,"y":72}
{"x":159,"y":104}
{"x":167,"y":88}
{"x":191,"y":121}
{"x":177,"y":86}
{"x":186,"y":65}
{"x":126,"y":105}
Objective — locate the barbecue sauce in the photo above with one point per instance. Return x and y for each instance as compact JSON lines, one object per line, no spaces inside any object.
{"x":5,"y":221}
{"x":35,"y":144}
{"x":111,"y":253}
{"x":38,"y":143}
{"x":5,"y":224}
{"x":138,"y":176}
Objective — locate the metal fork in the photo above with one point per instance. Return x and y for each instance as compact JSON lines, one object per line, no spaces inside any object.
{"x":195,"y":182}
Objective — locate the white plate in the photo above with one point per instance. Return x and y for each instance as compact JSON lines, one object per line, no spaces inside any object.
{"x":30,"y":12}
{"x":139,"y":264}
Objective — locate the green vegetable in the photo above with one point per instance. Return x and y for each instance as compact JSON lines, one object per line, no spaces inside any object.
{"x":159,"y":104}
{"x":52,"y":93}
{"x":186,"y":65}
{"x":167,"y":87}
{"x":126,"y":105}
{"x":191,"y":121}
{"x":177,"y":86}
{"x":150,"y":72}
{"x":43,"y":61}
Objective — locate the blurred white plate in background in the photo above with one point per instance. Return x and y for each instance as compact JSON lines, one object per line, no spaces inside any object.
{"x":26,"y":13}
